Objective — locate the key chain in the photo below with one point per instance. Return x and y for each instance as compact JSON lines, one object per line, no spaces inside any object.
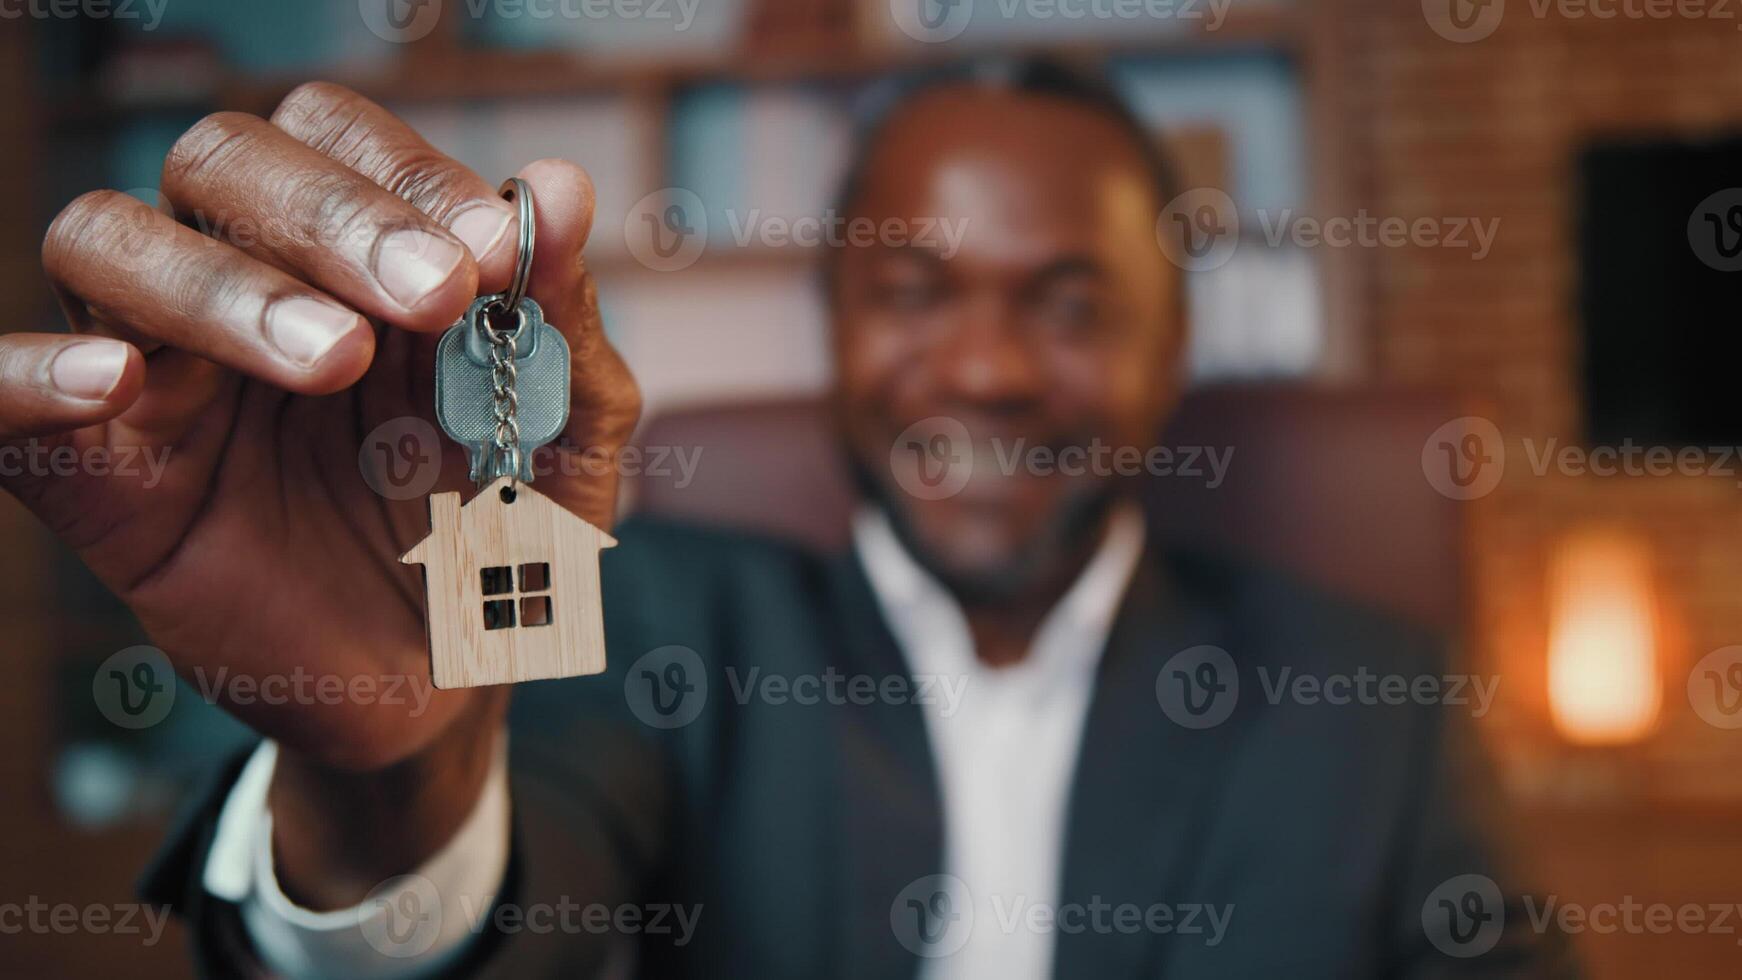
{"x":511,"y":579}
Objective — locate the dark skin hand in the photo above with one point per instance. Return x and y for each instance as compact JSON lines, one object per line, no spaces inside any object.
{"x":1057,"y":322}
{"x":260,"y":361}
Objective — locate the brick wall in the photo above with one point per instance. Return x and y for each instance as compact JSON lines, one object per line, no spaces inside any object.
{"x":1491,"y":129}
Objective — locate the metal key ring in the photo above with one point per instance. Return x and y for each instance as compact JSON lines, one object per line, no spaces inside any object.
{"x":520,"y":192}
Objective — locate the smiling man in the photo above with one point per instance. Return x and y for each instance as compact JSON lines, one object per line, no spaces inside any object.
{"x":1049,"y":818}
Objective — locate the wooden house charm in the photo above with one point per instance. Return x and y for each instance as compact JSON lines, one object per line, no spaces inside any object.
{"x":511,"y":583}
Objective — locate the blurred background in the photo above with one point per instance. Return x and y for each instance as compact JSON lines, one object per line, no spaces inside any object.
{"x":1565,"y":190}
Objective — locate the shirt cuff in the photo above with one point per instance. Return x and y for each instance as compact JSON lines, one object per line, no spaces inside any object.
{"x":410,"y":926}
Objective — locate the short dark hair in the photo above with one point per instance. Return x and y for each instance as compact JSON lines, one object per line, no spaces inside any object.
{"x":1039,"y":76}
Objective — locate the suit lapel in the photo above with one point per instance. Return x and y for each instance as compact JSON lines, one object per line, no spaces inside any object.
{"x":892,"y":810}
{"x":1144,"y":783}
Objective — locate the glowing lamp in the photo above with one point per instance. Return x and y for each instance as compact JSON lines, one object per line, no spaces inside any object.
{"x":1604,"y":687}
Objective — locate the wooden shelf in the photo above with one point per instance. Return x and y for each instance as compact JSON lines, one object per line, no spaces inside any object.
{"x":451,"y":73}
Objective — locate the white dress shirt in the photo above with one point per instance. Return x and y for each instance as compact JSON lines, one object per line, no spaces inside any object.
{"x":1006,"y":752}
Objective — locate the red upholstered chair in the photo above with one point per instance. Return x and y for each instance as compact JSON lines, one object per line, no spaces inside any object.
{"x":1325,"y":484}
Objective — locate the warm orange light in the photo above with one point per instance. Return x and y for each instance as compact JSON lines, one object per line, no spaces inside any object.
{"x":1603,"y":682}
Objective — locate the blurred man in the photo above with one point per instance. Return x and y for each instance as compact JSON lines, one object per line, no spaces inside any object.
{"x":1012,"y":800}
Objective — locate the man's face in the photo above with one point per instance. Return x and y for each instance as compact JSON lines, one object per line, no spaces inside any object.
{"x":1053,"y":325}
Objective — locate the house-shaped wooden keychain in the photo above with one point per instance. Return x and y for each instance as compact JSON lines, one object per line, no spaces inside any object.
{"x":512,"y":585}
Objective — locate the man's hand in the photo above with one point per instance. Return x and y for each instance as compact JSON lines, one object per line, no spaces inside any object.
{"x":258,"y":358}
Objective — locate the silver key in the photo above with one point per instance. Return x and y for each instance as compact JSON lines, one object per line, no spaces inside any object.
{"x":467,"y":405}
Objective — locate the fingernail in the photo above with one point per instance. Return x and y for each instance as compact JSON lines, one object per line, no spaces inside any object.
{"x":304,"y":329}
{"x":89,"y":370}
{"x":412,"y":264}
{"x":482,"y":226}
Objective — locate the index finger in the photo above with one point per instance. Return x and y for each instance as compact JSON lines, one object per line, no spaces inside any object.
{"x":374,"y":142}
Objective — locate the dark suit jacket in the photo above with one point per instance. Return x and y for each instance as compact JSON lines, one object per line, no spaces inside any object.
{"x":795,"y":827}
